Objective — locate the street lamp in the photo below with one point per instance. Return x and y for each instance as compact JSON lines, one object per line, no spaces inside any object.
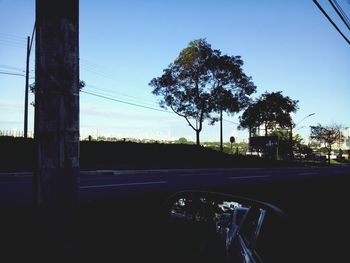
{"x":340,"y":134}
{"x":291,"y":134}
{"x":300,"y":128}
{"x":309,"y":115}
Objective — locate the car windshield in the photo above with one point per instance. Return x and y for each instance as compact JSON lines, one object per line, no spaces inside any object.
{"x":108,"y":108}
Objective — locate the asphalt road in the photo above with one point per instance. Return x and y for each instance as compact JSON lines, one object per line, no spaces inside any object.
{"x":315,"y":199}
{"x":15,"y":188}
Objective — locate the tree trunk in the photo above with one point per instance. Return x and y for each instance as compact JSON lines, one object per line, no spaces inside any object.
{"x":329,"y":154}
{"x":291,"y":143}
{"x":197,"y":137}
{"x":221,"y":132}
{"x":250,"y":137}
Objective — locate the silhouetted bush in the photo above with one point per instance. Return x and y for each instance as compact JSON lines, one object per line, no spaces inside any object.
{"x":18,"y":154}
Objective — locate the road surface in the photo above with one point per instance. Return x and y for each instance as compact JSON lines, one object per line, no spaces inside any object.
{"x":15,"y":188}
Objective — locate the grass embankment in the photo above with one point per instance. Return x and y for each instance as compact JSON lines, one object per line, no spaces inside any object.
{"x":18,"y":154}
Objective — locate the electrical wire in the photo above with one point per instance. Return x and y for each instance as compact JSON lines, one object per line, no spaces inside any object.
{"x":11,"y":73}
{"x":124,"y":102}
{"x":331,"y":21}
{"x":340,"y":12}
{"x":103,"y":71}
{"x":230,"y":121}
{"x":99,"y":73}
{"x":86,"y":65}
{"x":8,"y":44}
{"x":12,"y":36}
{"x":94,"y":65}
{"x":31,"y":40}
{"x":138,"y":105}
{"x":113,"y":92}
{"x":12,"y":68}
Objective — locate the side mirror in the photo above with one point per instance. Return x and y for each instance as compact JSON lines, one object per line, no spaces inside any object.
{"x":213,"y":227}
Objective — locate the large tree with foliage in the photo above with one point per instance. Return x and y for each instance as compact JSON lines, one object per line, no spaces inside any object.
{"x":200,"y":82}
{"x":327,"y":135}
{"x":231,"y":87}
{"x":271,"y":111}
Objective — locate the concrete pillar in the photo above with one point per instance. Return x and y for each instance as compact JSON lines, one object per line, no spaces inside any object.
{"x":55,"y":184}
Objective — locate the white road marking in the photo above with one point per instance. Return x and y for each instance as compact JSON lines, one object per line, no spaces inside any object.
{"x":108,"y":178}
{"x":203,"y":174}
{"x":248,"y":177}
{"x":126,"y":184}
{"x":306,"y":173}
{"x":188,"y":175}
{"x":16,"y":174}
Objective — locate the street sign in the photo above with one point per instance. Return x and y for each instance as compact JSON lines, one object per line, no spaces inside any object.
{"x":232,"y":139}
{"x":262,"y":142}
{"x":270,"y":144}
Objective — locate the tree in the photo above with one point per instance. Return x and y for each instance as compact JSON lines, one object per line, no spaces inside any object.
{"x":182,"y":140}
{"x":202,"y":81}
{"x":328,"y":135}
{"x":341,"y":137}
{"x":284,"y":143}
{"x":250,"y":119}
{"x":305,"y":150}
{"x":271,"y":110}
{"x":82,"y":84}
{"x":231,"y":87}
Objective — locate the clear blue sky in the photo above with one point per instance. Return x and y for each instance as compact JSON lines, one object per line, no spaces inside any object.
{"x":286,"y":45}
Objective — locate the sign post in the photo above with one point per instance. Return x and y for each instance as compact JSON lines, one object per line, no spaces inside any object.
{"x":232,"y":140}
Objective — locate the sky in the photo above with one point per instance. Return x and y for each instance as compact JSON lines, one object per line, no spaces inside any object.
{"x":286,"y":46}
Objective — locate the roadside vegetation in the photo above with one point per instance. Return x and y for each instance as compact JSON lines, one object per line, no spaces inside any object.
{"x":105,"y":155}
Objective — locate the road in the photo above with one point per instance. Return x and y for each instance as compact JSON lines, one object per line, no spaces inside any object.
{"x":315,"y":199}
{"x":15,"y":188}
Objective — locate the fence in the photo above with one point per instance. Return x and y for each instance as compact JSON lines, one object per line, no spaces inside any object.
{"x":15,"y":133}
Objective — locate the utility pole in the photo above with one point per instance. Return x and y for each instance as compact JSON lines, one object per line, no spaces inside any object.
{"x":26,"y":90}
{"x":55,"y":181}
{"x":25,"y":135}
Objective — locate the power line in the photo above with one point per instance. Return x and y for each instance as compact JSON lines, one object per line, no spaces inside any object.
{"x":11,"y":73}
{"x":12,"y":68}
{"x":340,"y":12}
{"x":116,"y":96}
{"x":31,"y":40}
{"x":99,"y":73}
{"x":14,"y":41}
{"x":14,"y":74}
{"x":97,"y":69}
{"x":106,"y":74}
{"x":4,"y":43}
{"x":93,"y":64}
{"x":13,"y":36}
{"x":137,"y":105}
{"x":231,"y":121}
{"x":331,"y":21}
{"x":124,"y":102}
{"x":137,"y":99}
